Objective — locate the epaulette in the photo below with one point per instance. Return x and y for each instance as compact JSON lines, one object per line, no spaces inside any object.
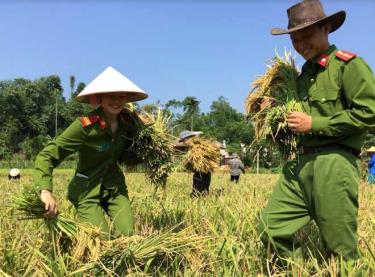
{"x":91,"y":119}
{"x":345,"y":56}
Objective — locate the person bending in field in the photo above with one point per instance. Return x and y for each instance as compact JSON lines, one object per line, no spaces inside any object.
{"x":101,"y":139}
{"x":337,"y":90}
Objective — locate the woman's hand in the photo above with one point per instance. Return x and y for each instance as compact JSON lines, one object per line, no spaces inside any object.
{"x":50,"y":203}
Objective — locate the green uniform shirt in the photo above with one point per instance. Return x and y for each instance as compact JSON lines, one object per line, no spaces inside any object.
{"x":99,"y":153}
{"x":340,"y":97}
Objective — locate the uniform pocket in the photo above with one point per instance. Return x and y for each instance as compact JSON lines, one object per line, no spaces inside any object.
{"x":324,"y":96}
{"x":78,"y":187}
{"x":325,"y":102}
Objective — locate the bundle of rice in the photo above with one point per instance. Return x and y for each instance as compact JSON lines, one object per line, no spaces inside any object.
{"x":279,"y":85}
{"x":203,"y":155}
{"x":30,"y":206}
{"x":137,"y":251}
{"x":153,"y":145}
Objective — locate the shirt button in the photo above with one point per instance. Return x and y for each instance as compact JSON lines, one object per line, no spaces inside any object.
{"x":312,"y":80}
{"x":323,"y":100}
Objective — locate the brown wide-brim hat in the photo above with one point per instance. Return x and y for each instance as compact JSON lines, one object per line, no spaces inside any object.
{"x":308,"y":13}
{"x":112,"y":81}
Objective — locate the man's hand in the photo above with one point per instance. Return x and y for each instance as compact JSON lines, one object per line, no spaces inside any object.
{"x":50,"y":203}
{"x":299,"y":122}
{"x":267,"y":102}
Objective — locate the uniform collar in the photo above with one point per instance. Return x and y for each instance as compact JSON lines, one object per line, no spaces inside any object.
{"x":324,"y":58}
{"x":321,"y":61}
{"x":99,"y":117}
{"x":96,"y":116}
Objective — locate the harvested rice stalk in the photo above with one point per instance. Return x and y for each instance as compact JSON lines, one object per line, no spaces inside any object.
{"x":30,"y":206}
{"x":86,"y":246}
{"x":203,"y":155}
{"x":137,"y":251}
{"x":279,"y":84}
{"x":153,"y":144}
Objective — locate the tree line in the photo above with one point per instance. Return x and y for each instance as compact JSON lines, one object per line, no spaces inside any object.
{"x":35,"y":111}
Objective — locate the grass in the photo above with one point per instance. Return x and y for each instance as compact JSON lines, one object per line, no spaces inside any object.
{"x":223,"y":223}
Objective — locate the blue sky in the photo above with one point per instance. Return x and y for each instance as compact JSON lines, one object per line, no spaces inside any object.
{"x":171,"y":49}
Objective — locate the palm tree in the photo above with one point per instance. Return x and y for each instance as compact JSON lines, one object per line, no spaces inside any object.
{"x":72,"y":81}
{"x":190,"y":106}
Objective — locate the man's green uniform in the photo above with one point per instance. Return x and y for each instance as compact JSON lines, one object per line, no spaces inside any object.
{"x":98,"y":186}
{"x":338,"y":92}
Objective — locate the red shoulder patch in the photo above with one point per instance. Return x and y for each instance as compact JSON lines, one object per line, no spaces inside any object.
{"x":88,"y":120}
{"x":345,"y":56}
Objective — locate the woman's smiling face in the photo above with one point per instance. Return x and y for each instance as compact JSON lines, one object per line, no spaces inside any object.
{"x":112,"y":103}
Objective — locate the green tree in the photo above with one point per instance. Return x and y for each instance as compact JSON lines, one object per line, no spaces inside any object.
{"x":73,"y":108}
{"x":28,"y":111}
{"x":225,"y":123}
{"x":72,"y":82}
{"x":171,"y":106}
{"x":191,"y":109}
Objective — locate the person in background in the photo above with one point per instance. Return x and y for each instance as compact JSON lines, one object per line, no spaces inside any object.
{"x":371,"y":165}
{"x":201,"y":180}
{"x":236,"y":167}
{"x":14,"y":174}
{"x":337,"y":91}
{"x":101,"y":139}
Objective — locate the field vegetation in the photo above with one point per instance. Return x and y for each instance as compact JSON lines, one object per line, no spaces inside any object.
{"x":175,"y":234}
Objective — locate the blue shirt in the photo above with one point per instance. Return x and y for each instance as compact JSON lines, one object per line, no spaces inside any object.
{"x":371,"y":165}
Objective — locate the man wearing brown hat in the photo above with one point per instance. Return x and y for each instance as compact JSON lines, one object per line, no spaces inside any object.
{"x":337,"y":91}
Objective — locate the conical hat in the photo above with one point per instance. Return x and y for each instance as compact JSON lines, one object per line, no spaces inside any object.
{"x":371,"y":149}
{"x":187,"y":134}
{"x":14,"y":172}
{"x":112,"y":81}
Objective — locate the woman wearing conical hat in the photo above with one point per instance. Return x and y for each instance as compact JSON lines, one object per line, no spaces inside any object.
{"x":98,"y":187}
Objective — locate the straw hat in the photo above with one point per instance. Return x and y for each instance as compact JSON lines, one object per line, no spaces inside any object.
{"x":235,"y":155}
{"x":187,"y":134}
{"x":112,"y":81}
{"x":308,"y":13}
{"x":371,"y":149}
